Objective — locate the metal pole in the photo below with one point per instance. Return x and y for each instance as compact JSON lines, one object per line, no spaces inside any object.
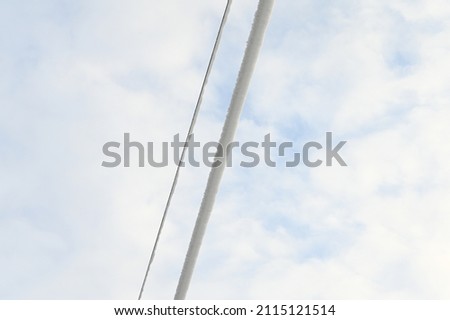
{"x":254,"y":44}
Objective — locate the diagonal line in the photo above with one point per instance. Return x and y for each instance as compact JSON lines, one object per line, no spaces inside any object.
{"x":188,"y":137}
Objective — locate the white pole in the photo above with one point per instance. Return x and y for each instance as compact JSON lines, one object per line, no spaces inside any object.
{"x":254,"y":44}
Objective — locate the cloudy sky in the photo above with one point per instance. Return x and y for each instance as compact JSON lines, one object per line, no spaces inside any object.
{"x":77,"y":74}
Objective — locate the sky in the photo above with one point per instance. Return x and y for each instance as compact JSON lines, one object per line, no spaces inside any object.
{"x":75,"y":75}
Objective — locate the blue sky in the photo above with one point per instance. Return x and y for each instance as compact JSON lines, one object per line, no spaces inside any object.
{"x":74,"y":75}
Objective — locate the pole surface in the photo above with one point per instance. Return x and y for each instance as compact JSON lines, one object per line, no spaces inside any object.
{"x":255,"y":40}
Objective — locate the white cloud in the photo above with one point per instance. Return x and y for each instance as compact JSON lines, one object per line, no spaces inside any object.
{"x":75,"y":76}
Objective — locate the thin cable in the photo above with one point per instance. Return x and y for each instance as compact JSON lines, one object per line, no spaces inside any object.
{"x":254,"y":44}
{"x":188,"y":137}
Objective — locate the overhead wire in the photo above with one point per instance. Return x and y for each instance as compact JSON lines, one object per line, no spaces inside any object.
{"x":185,"y":146}
{"x":254,"y":44}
